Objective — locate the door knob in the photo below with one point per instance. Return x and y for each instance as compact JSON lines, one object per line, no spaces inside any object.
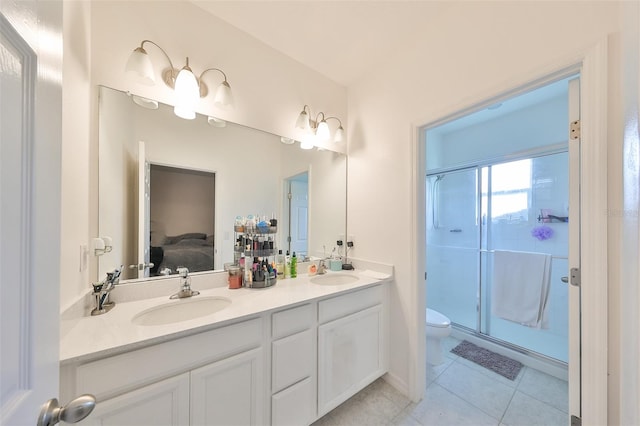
{"x":76,"y":410}
{"x":564,"y":279}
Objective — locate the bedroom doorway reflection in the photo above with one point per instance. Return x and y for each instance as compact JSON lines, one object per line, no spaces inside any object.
{"x":181,"y":219}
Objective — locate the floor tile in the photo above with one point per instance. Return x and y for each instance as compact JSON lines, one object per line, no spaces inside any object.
{"x":545,"y":388}
{"x":527,"y":411}
{"x":382,"y":387}
{"x":441,"y":407}
{"x":405,"y":418}
{"x":433,"y":371}
{"x":491,"y":374}
{"x":377,"y":404}
{"x":483,"y":392}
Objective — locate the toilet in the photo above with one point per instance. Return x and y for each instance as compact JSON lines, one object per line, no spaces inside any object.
{"x":438,"y":327}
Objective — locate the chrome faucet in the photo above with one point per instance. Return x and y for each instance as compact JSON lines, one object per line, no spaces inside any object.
{"x":101,"y":292}
{"x":185,"y":287}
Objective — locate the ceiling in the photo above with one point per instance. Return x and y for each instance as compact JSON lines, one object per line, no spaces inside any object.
{"x":339,"y":39}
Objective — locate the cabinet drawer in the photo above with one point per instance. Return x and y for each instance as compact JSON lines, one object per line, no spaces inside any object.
{"x":120,"y":373}
{"x":292,"y":359}
{"x":291,"y":321}
{"x":340,"y":306}
{"x":293,"y":406}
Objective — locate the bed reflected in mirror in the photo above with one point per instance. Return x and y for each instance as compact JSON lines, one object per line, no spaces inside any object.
{"x":181,"y":220}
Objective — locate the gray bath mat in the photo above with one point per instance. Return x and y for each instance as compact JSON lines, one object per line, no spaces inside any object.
{"x":497,"y":363}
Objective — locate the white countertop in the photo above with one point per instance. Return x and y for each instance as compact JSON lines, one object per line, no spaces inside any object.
{"x":90,"y":337}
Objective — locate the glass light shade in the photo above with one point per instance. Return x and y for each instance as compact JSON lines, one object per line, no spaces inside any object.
{"x":339,"y":136}
{"x":139,"y":66}
{"x":322,"y":132}
{"x":223,"y":97}
{"x":303,"y":121}
{"x":187,"y":94}
{"x":306,"y":143}
{"x":145,"y":102}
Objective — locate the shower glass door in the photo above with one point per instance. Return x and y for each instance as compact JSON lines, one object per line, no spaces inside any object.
{"x":515,"y":196}
{"x":452,"y":245}
{"x":475,"y":211}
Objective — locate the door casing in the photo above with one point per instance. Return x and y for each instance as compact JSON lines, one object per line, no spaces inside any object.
{"x":592,"y":66}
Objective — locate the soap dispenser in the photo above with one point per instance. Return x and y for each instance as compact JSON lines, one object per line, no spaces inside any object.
{"x":294,"y":265}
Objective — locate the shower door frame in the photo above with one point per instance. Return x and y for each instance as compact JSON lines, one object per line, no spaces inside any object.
{"x":592,"y":64}
{"x":477,"y":166}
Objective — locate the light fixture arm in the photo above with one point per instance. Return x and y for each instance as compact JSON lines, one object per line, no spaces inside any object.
{"x":335,"y":118}
{"x":317,"y":120}
{"x":173,"y":74}
{"x":213,"y":69}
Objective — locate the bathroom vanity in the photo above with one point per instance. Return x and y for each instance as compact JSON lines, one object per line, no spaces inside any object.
{"x":282,"y":356}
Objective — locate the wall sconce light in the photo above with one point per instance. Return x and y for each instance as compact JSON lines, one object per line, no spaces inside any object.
{"x":188,"y":88}
{"x":316,"y":130}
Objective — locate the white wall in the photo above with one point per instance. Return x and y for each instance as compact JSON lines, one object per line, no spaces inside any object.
{"x":475,"y":51}
{"x":269,"y":88}
{"x":78,"y":202}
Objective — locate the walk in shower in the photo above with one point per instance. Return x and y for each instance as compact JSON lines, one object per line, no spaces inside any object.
{"x":493,"y":186}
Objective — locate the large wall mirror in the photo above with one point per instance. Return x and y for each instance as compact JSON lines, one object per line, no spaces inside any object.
{"x":170,"y":189}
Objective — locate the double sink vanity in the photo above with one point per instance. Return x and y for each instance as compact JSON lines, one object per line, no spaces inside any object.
{"x":286,"y":355}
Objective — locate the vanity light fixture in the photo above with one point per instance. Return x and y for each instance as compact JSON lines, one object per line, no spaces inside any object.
{"x":188,"y":88}
{"x":316,"y":130}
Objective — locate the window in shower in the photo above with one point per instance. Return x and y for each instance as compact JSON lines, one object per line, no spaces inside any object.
{"x":494,"y":207}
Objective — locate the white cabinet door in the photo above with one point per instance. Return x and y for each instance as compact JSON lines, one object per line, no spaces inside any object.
{"x":350,"y":356}
{"x":229,"y":392}
{"x":293,"y":406}
{"x":162,"y":403}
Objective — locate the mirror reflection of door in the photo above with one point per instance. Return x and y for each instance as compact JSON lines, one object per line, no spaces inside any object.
{"x":181,"y":219}
{"x":298,"y":203}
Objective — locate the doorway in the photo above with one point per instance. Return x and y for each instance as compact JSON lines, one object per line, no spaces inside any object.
{"x":297,"y":207}
{"x":494,"y":178}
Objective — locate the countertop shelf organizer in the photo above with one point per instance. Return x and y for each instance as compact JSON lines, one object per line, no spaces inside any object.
{"x":256,"y":243}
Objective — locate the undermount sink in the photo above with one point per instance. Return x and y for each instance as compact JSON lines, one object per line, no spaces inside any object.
{"x":181,"y":310}
{"x":334,"y":279}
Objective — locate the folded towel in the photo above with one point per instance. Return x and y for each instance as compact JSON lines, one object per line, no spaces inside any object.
{"x":521,"y":287}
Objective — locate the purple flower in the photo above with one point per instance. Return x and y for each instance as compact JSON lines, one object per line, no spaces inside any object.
{"x":542,"y":232}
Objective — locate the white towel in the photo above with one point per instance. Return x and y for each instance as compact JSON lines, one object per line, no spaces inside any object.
{"x":521,"y":287}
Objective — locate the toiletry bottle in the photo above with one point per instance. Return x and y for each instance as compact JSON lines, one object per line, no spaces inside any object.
{"x":287,"y":266}
{"x":280,"y":264}
{"x":248,"y":273}
{"x":294,"y":265}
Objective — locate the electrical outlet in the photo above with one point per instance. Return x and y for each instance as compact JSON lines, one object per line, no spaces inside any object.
{"x":351,"y":241}
{"x":340,"y":240}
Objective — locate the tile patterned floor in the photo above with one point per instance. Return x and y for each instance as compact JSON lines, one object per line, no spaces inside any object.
{"x":459,"y":392}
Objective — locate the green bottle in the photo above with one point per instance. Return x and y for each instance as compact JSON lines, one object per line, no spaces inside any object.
{"x":294,"y":265}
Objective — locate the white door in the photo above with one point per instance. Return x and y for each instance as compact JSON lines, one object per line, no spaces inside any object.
{"x":30,"y":158}
{"x":144,"y":212}
{"x":299,"y":214}
{"x":575,"y":382}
